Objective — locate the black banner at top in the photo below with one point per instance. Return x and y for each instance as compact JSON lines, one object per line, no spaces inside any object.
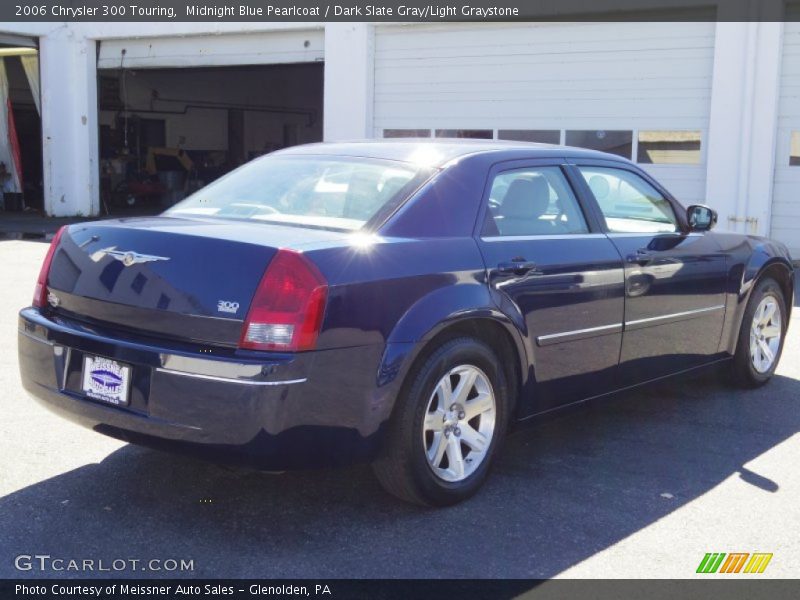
{"x":396,"y":10}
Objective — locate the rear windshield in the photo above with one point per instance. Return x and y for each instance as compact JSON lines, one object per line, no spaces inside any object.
{"x":317,"y":191}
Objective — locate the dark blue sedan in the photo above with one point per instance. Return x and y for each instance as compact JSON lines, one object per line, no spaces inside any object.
{"x":399,"y":302}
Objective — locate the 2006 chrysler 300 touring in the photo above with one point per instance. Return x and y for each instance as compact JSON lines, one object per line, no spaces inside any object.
{"x":400,"y":302}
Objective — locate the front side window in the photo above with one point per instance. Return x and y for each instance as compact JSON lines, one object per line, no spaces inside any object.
{"x":317,"y":191}
{"x":534,"y":201}
{"x":628,"y":203}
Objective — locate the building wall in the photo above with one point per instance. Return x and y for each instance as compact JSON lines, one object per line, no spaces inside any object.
{"x":785,"y":222}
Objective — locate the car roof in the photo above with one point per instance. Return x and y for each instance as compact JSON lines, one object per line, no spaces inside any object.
{"x":440,"y":151}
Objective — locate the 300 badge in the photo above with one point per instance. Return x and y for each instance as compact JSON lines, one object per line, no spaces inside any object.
{"x":227,"y":306}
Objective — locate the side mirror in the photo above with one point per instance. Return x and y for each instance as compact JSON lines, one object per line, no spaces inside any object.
{"x":701,"y":218}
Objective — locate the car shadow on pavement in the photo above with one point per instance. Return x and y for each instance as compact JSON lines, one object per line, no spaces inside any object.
{"x":562,"y":490}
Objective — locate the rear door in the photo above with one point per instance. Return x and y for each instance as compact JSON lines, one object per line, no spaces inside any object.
{"x":553,"y":270}
{"x":674,"y":280}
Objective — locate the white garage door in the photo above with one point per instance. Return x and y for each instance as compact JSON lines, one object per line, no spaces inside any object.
{"x":640,"y":89}
{"x":213,"y":50}
{"x":786,"y":192}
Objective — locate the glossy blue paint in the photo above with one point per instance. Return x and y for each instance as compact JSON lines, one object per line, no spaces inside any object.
{"x":394,"y":289}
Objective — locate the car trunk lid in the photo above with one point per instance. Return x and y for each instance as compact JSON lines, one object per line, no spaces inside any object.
{"x":187,"y":279}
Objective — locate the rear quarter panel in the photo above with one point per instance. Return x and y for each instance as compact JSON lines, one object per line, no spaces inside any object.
{"x":387,"y":297}
{"x":374,"y":286}
{"x":420,"y":266}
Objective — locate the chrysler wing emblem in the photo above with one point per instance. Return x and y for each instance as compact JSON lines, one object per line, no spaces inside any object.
{"x":129,"y":257}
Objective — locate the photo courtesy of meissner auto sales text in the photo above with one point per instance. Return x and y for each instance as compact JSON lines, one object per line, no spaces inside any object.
{"x":420,"y":300}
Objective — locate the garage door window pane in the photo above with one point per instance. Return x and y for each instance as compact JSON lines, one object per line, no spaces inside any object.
{"x":406,"y":133}
{"x":542,"y":136}
{"x":629,"y":204}
{"x":669,"y":147}
{"x":613,"y":142}
{"x":794,"y":151}
{"x":532,"y":202}
{"x":477,"y":134}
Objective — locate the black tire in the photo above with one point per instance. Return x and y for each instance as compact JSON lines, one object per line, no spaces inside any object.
{"x":743,"y":371}
{"x":402,"y":468}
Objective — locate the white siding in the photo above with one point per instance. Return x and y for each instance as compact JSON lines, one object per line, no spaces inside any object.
{"x":205,"y":50}
{"x":631,"y":76}
{"x":786,"y":192}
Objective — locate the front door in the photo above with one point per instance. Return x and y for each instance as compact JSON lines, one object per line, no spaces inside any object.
{"x":674,"y":280}
{"x":552,"y":270}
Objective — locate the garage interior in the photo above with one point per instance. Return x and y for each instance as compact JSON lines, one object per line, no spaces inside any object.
{"x":166,"y":132}
{"x":21,"y":127}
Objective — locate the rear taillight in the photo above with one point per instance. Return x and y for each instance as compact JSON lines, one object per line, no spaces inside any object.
{"x":287,"y":309}
{"x":40,"y":291}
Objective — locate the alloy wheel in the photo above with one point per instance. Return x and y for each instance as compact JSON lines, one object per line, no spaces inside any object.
{"x":765,"y":334}
{"x":459,"y":423}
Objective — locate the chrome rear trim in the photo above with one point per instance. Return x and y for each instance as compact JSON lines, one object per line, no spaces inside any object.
{"x":230,"y":379}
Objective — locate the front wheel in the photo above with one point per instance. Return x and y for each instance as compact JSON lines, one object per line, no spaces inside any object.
{"x":447,"y":426}
{"x":761,"y":336}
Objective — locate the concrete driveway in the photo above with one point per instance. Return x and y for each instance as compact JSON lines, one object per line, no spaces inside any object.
{"x":640,"y":485}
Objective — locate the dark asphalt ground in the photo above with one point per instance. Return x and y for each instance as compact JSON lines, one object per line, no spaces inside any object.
{"x":639,"y":485}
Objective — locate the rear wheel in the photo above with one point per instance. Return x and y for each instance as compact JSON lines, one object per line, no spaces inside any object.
{"x":447,"y":426}
{"x":761,"y":336}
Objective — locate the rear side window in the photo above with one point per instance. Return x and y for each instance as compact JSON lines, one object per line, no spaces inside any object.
{"x":628,"y":203}
{"x":532,"y":201}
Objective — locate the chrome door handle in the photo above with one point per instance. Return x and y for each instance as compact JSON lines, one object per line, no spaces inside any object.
{"x":642,"y":257}
{"x":517,"y":267}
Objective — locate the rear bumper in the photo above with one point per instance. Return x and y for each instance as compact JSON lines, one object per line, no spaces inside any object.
{"x":276,"y":411}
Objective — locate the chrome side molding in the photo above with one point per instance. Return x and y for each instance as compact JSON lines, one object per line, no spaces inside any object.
{"x":679,"y":316}
{"x":580,"y":334}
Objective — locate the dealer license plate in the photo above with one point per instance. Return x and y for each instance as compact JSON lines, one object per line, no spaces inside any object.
{"x":105,"y":379}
